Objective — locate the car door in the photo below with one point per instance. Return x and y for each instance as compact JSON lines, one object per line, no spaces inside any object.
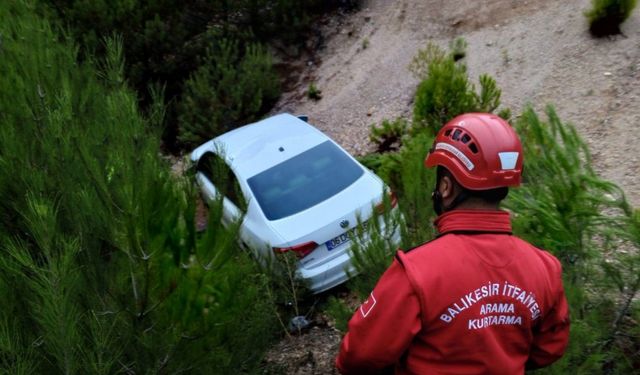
{"x":215,"y":177}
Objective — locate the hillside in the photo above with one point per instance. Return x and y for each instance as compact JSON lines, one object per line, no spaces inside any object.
{"x":539,"y":52}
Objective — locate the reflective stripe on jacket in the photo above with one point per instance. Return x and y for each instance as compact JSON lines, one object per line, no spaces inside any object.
{"x":477,"y":300}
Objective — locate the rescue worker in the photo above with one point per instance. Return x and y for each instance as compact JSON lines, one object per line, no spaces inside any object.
{"x":476,"y":300}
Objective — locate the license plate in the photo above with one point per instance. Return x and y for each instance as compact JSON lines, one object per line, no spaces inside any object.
{"x":335,"y":242}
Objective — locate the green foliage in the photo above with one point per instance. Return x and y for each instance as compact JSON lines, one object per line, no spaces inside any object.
{"x":415,"y":184}
{"x":365,"y":43}
{"x":313,"y":92}
{"x":419,"y":66}
{"x":373,"y":248}
{"x":606,"y":16}
{"x":338,"y":310}
{"x":569,"y":197}
{"x":564,"y":207}
{"x":227,"y":90}
{"x":102,"y":270}
{"x":404,"y":173}
{"x":287,"y":292}
{"x":445,"y":91}
{"x":458,"y":48}
{"x":388,"y":136}
{"x":168,"y":41}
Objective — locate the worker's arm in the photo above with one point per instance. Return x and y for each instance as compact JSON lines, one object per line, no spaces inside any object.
{"x":382,"y":328}
{"x":552,"y":335}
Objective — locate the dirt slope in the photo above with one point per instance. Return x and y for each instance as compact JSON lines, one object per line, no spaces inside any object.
{"x":539,"y":52}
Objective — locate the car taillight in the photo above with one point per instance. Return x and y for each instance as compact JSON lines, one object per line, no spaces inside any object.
{"x":393,"y":201}
{"x":301,"y":250}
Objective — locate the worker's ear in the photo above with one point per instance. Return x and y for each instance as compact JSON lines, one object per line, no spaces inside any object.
{"x":446,"y":187}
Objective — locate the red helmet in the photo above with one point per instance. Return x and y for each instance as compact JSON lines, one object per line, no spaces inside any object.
{"x":481,"y":150}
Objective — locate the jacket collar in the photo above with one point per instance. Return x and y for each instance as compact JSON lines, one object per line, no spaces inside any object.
{"x":478,"y":221}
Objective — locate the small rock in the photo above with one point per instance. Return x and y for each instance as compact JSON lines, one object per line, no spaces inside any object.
{"x":367,"y":17}
{"x":370,"y":111}
{"x":298,"y":323}
{"x":489,"y":44}
{"x":608,"y":74}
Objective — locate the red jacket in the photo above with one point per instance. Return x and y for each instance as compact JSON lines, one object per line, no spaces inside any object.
{"x":476,"y":300}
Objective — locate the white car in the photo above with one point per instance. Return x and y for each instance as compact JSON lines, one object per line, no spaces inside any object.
{"x":295,"y":190}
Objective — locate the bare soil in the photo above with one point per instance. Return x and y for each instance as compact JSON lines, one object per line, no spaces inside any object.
{"x":540,"y":52}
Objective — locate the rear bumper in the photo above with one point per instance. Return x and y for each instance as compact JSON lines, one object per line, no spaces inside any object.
{"x":334,"y":272}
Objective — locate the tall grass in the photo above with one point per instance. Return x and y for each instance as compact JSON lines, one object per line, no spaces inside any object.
{"x":101,"y":268}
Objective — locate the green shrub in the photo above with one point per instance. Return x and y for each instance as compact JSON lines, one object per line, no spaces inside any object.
{"x":166,"y":40}
{"x":445,"y":91}
{"x":606,"y":16}
{"x":373,"y":248}
{"x":340,"y":312}
{"x":406,"y":175}
{"x":560,"y":206}
{"x":365,"y":43}
{"x":565,"y":208}
{"x":288,"y":294}
{"x":388,"y":136}
{"x":404,"y":172}
{"x":228,"y":90}
{"x":419,"y":66}
{"x":102,"y":270}
{"x":458,"y":48}
{"x":313,"y":92}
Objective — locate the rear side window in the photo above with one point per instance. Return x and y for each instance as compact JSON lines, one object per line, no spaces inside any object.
{"x":304,"y":180}
{"x":222,"y":177}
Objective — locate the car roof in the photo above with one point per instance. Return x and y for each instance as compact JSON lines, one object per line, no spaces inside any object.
{"x":254,"y":148}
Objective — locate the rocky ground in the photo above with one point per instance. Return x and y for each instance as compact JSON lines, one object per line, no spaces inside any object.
{"x":539,"y":52}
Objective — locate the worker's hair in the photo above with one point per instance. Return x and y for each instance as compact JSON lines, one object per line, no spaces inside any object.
{"x":490,"y":196}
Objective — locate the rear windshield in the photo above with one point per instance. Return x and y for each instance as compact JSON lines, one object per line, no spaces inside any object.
{"x":304,"y":180}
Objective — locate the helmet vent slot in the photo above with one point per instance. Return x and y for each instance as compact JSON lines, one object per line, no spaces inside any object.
{"x":446,"y":134}
{"x":473,"y":148}
{"x":465,"y":138}
{"x":456,"y":134}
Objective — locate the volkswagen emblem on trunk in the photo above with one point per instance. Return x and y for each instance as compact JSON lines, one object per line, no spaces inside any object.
{"x":344,"y":223}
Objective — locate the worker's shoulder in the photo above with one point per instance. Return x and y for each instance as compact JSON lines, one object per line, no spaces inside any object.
{"x":431,"y":245}
{"x":540,"y":265}
{"x":546,"y":257}
{"x":430,"y":248}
